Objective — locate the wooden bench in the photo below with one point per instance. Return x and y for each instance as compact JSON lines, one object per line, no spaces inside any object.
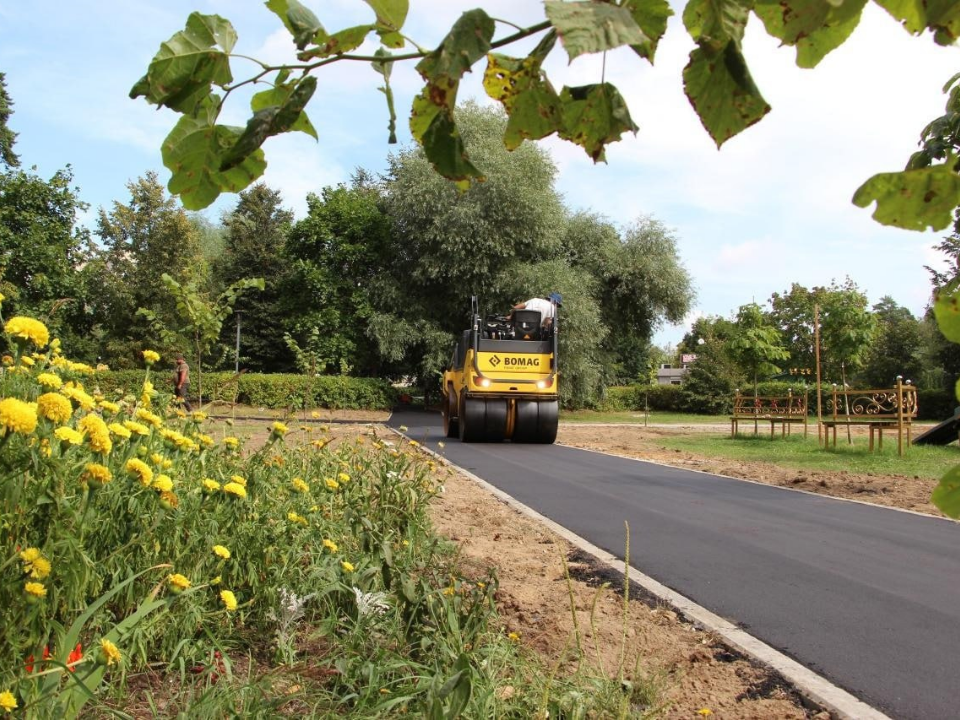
{"x":785,"y":410}
{"x":894,"y":408}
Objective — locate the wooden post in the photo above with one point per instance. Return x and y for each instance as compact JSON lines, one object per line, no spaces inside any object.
{"x":900,"y":415}
{"x":816,"y":352}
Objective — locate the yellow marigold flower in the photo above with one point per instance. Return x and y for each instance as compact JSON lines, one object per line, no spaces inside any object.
{"x":156,"y":458}
{"x":221,"y":552}
{"x":97,"y":474}
{"x":414,"y":443}
{"x":343,"y":477}
{"x":449,"y":591}
{"x":149,"y":418}
{"x":7,"y":360}
{"x":110,"y":407}
{"x":54,"y":407}
{"x":331,"y":483}
{"x":235,"y":489}
{"x":35,"y":564}
{"x":50,"y":380}
{"x":299,"y":485}
{"x":109,"y":654}
{"x":239,"y":480}
{"x":330,"y":545}
{"x":69,"y":435}
{"x":7,"y":701}
{"x":229,"y":600}
{"x":169,"y":501}
{"x":163,"y":483}
{"x":216,"y":580}
{"x":205,"y":440}
{"x":78,"y":395}
{"x":35,"y":589}
{"x":198,"y":415}
{"x":210,"y":486}
{"x":231,"y":442}
{"x":514,"y":637}
{"x":140,"y":470}
{"x":135,"y":427}
{"x":27,"y":361}
{"x":705,"y":712}
{"x":295,"y":518}
{"x":98,"y":434}
{"x":178,"y":582}
{"x":81,"y":368}
{"x":347,"y":567}
{"x":102,"y":367}
{"x":279,"y":429}
{"x":150,"y":357}
{"x":18,"y":416}
{"x":28,"y":329}
{"x":119,"y":430}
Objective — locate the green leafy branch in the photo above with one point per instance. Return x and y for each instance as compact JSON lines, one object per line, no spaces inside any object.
{"x":206,"y":158}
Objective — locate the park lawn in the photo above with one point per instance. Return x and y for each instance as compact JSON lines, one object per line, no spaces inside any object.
{"x":799,"y":453}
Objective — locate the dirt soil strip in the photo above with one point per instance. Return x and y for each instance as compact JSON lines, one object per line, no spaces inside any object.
{"x":755,"y":681}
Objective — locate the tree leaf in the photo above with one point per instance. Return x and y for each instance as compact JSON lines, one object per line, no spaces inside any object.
{"x":436,"y":130}
{"x":280,"y":95}
{"x":946,"y":309}
{"x":467,"y":42}
{"x":340,"y":42}
{"x":298,"y":19}
{"x":533,"y":106}
{"x":942,"y":17}
{"x":193,"y":152}
{"x":593,"y":116}
{"x":722,"y":92}
{"x":651,"y":17}
{"x":590,"y":27}
{"x":432,"y":118}
{"x":815,"y":27}
{"x":390,"y":13}
{"x":384,"y":66}
{"x":913,"y":199}
{"x":946,"y":495}
{"x":181,"y":74}
{"x":714,"y":23}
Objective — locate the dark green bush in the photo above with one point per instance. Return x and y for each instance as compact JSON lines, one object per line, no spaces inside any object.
{"x":935,"y":404}
{"x":337,"y":392}
{"x":635,"y":397}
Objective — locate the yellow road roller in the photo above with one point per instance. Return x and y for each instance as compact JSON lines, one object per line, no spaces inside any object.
{"x":501,"y":382}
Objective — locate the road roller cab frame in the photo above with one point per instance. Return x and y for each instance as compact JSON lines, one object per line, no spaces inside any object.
{"x":501,"y":382}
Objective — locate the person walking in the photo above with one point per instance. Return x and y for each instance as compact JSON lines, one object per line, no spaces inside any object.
{"x":181,"y":382}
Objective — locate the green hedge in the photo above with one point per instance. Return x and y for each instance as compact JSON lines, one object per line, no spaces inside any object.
{"x":336,"y":392}
{"x":636,"y":397}
{"x":935,"y":404}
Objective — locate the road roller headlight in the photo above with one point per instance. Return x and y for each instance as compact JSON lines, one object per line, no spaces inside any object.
{"x":481,"y":382}
{"x":542,"y":384}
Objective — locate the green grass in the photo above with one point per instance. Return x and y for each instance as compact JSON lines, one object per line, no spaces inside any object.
{"x":637,"y":416}
{"x":795,"y":452}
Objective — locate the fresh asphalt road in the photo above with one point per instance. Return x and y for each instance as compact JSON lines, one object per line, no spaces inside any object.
{"x":868,"y":597}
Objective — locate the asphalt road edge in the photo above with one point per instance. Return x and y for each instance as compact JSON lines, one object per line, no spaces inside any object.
{"x":817,"y":689}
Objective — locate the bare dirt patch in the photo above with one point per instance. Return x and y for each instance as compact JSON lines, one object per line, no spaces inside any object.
{"x":645,"y":443}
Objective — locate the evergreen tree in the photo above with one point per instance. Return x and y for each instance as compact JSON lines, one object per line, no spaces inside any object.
{"x":256,"y":233}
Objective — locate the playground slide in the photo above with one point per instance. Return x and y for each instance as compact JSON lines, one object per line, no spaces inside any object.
{"x":942,"y":434}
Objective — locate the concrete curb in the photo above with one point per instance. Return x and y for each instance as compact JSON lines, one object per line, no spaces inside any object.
{"x":809,"y":684}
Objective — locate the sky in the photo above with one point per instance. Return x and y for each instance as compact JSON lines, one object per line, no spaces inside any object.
{"x":769,"y":209}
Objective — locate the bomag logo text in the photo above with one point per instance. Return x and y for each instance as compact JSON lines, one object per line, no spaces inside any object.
{"x":521,"y":362}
